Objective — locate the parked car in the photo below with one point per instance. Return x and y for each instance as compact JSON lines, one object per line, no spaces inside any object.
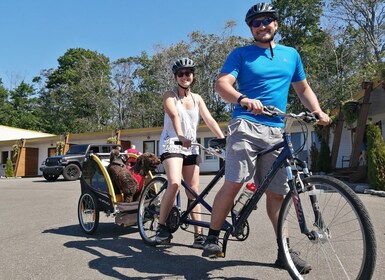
{"x":70,"y":165}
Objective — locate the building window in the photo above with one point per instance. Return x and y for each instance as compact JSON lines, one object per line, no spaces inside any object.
{"x":206,"y":144}
{"x":157,"y":148}
{"x":149,"y":147}
{"x":315,"y":139}
{"x":4,"y":157}
{"x":297,"y":140}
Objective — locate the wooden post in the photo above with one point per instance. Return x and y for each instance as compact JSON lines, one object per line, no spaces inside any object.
{"x":337,"y":138}
{"x":20,"y":162}
{"x":117,"y":135}
{"x":361,"y":125}
{"x":66,"y":143}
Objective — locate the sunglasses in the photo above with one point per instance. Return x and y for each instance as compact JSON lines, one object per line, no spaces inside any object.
{"x":180,"y":74}
{"x":266,"y":21}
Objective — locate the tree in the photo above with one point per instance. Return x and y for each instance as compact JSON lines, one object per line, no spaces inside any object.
{"x":324,"y":158}
{"x":376,"y":157}
{"x":367,"y":16}
{"x":9,"y":172}
{"x":4,"y":105}
{"x":25,"y":106}
{"x":79,"y":88}
{"x":123,"y":90}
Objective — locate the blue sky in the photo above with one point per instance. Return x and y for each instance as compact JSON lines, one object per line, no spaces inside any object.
{"x":35,"y":33}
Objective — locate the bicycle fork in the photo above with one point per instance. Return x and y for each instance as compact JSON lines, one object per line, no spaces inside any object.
{"x":295,"y":181}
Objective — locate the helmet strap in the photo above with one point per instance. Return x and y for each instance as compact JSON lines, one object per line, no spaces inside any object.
{"x":185,"y":89}
{"x":271,"y":50}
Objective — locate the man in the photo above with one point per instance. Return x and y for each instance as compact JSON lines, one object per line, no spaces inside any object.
{"x":264,"y":72}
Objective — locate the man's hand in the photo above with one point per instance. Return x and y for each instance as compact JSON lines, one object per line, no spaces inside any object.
{"x":323,"y":118}
{"x":252,"y":105}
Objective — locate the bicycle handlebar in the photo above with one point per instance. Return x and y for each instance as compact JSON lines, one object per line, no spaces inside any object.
{"x":271,"y":111}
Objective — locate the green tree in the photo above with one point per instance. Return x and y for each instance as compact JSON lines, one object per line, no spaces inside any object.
{"x":376,"y":157}
{"x":4,"y":104}
{"x":324,"y":158}
{"x":76,"y":96}
{"x":25,"y":108}
{"x":9,"y":172}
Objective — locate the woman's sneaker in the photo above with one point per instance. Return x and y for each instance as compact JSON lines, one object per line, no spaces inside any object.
{"x":199,"y":240}
{"x":163,"y":235}
{"x":211,"y":248}
{"x":302,"y":266}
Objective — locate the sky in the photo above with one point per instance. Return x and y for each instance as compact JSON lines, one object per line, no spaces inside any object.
{"x":35,"y":33}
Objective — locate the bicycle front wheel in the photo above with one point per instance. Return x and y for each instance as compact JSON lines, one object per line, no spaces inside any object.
{"x":341,"y":243}
{"x":149,"y":208}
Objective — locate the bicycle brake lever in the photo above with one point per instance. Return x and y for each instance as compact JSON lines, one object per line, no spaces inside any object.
{"x":269,"y":111}
{"x":310,"y":117}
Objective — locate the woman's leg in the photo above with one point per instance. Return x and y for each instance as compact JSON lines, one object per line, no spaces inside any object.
{"x":191,"y":177}
{"x":173,"y":169}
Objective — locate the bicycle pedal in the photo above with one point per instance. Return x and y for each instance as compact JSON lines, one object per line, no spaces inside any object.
{"x":221,"y":255}
{"x":213,"y":256}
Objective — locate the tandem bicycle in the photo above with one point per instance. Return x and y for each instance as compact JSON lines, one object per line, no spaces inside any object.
{"x":325,"y":220}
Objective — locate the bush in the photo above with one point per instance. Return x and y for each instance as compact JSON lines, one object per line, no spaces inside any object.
{"x":324,"y":158}
{"x":314,"y":157}
{"x":376,"y":157}
{"x":9,"y":172}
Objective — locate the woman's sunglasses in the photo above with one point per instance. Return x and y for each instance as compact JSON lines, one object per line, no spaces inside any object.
{"x":266,"y":21}
{"x":180,"y":74}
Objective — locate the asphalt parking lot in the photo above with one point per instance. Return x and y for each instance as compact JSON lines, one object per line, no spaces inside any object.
{"x":41,"y":239}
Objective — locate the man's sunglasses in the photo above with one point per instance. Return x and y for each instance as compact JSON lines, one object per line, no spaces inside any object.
{"x":180,"y":74}
{"x":266,"y":21}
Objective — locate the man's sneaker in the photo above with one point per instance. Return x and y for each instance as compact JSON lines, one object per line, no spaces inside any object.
{"x":199,"y":240}
{"x":302,"y":266}
{"x":162,"y":235}
{"x":211,"y":247}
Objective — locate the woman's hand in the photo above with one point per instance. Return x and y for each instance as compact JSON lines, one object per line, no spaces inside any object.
{"x":185,"y":142}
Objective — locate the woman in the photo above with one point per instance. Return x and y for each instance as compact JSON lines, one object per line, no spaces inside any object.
{"x":182,"y":112}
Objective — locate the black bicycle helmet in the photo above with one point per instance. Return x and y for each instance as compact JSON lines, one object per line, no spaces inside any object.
{"x":261,"y":9}
{"x":183,"y":62}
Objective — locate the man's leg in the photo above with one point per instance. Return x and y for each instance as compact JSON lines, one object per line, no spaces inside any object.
{"x":273,"y":206}
{"x":223,"y":203}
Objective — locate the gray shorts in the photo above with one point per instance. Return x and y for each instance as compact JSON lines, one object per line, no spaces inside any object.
{"x":245,"y":139}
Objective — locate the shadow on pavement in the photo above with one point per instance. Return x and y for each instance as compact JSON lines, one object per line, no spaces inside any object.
{"x":113,"y":252}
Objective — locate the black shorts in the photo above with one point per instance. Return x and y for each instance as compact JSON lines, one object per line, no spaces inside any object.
{"x":187,"y":160}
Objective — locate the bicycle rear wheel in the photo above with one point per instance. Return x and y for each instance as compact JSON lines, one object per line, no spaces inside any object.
{"x":342,"y":245}
{"x":149,"y":207}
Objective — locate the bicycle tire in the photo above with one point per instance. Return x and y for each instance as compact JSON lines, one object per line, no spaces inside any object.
{"x":149,"y":207}
{"x":88,"y":212}
{"x":347,"y":247}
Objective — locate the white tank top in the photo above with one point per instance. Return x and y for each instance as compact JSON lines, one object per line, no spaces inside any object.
{"x":189,"y":122}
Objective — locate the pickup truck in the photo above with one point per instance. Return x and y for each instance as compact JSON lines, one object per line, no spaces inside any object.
{"x":70,"y":165}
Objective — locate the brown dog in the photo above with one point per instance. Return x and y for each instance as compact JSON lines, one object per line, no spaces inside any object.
{"x":130,"y":180}
{"x":120,"y":176}
{"x":144,"y":163}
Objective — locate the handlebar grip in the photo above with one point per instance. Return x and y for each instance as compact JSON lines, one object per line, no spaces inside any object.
{"x":310,"y":117}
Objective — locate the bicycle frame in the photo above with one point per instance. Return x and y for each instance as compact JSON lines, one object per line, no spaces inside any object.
{"x":285,"y":158}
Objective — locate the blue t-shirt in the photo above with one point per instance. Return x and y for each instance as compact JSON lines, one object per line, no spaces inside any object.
{"x":261,"y":76}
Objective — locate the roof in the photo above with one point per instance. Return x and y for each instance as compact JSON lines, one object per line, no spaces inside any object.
{"x":13,"y":133}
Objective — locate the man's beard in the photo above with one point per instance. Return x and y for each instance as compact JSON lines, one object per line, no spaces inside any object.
{"x":267,"y":40}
